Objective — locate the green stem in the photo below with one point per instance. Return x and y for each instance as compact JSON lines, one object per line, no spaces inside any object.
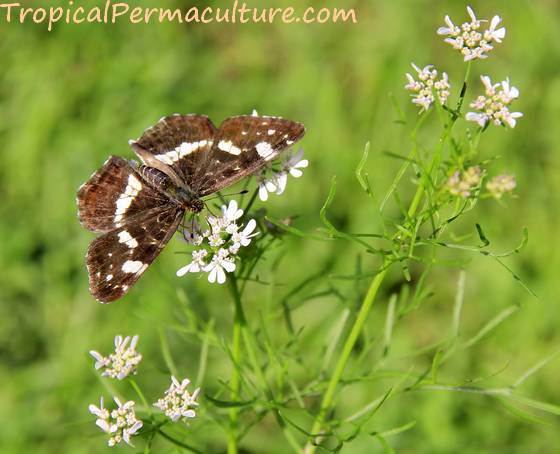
{"x":178,"y":442}
{"x":238,"y":321}
{"x":251,"y":201}
{"x":141,"y":395}
{"x":345,"y":355}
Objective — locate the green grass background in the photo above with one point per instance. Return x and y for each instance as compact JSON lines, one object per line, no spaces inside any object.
{"x":71,"y":97}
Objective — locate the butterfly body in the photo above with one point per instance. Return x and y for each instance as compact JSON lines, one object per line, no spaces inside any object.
{"x":181,"y":195}
{"x":138,"y":207}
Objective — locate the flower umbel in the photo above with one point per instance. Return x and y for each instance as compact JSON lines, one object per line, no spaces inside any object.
{"x":494,"y":105}
{"x":469,"y":39}
{"x":427,"y":87}
{"x":500,"y":185}
{"x":177,"y":402}
{"x":219,"y":244}
{"x":122,"y":362}
{"x":120,"y":423}
{"x":463,"y":184}
{"x":275,"y":180}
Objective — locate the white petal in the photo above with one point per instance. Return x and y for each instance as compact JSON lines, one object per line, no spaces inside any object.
{"x":499,"y":34}
{"x":94,"y":410}
{"x":100,"y":360}
{"x":251,"y":225}
{"x":471,"y":13}
{"x":487,"y":82}
{"x":281,"y":182}
{"x":184,"y":270}
{"x":189,"y":414}
{"x":134,"y":342}
{"x":212,"y":274}
{"x":270,"y":186}
{"x":229,"y":267}
{"x":135,"y":427}
{"x":449,"y":23}
{"x":220,"y":274}
{"x":118,"y":341}
{"x":263,"y":193}
{"x":103,"y":425}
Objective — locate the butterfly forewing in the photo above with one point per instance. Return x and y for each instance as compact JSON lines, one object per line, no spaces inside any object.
{"x":243,"y":145}
{"x":116,"y":260}
{"x":179,"y":141}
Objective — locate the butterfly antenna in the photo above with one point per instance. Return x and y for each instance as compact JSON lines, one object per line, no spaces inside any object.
{"x":217,"y":196}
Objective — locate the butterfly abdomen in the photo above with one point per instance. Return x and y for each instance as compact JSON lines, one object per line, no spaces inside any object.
{"x":155,"y":177}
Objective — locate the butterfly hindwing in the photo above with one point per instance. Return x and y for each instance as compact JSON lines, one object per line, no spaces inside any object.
{"x":114,"y":196}
{"x":243,"y":145}
{"x":117,"y":259}
{"x":179,"y":141}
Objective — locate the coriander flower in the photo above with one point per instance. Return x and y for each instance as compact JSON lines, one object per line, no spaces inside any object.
{"x":500,"y":185}
{"x":122,"y":362}
{"x":197,"y":264}
{"x":243,"y":238}
{"x":273,"y":180}
{"x":221,"y":262}
{"x":177,"y":402}
{"x":494,"y":105}
{"x":120,"y":423}
{"x":219,"y":244}
{"x":428,"y":85}
{"x":469,"y":39}
{"x":463,"y":184}
{"x":231,"y":212}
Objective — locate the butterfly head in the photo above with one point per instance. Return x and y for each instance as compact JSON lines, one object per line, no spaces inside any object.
{"x":190,"y":203}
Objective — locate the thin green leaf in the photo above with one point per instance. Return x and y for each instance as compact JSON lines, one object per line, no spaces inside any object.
{"x":360,"y":175}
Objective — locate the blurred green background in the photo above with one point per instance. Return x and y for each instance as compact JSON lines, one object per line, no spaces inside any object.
{"x":71,"y":97}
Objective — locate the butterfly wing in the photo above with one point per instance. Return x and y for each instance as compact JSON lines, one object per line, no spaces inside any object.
{"x":178,"y":141}
{"x":115,"y":195}
{"x":242,"y":145}
{"x":117,"y":259}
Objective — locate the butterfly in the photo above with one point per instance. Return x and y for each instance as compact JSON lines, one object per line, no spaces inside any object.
{"x":138,"y":206}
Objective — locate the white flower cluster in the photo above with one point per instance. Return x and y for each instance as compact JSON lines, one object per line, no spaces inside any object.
{"x":463,"y":184}
{"x":122,"y":362}
{"x":120,"y":423}
{"x":177,"y":402}
{"x":427,"y":86}
{"x":219,"y":244}
{"x":494,"y":106}
{"x":274,"y":181}
{"x":500,"y":185}
{"x":469,"y":39}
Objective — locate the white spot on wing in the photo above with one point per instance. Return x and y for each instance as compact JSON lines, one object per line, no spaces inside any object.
{"x":124,"y":237}
{"x":271,"y":131}
{"x":123,"y":202}
{"x":264,"y":149}
{"x":133,"y":266}
{"x":109,"y":277}
{"x":229,"y":147}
